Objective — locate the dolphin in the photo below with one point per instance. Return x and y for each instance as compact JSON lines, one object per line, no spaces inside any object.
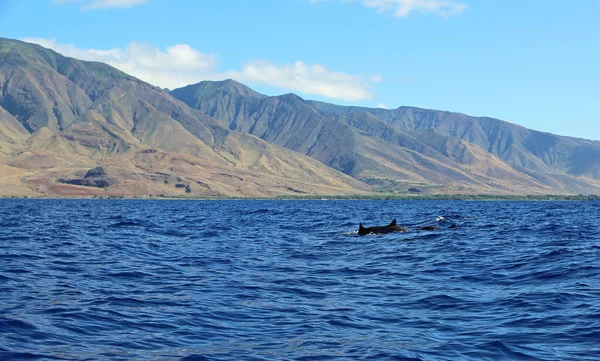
{"x":434,"y":228}
{"x":393,"y":227}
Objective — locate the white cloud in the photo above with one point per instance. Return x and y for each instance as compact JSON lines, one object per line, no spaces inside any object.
{"x":107,"y":4}
{"x":181,"y":65}
{"x":309,"y":79}
{"x":382,"y":106}
{"x":403,"y":8}
{"x":104,"y":4}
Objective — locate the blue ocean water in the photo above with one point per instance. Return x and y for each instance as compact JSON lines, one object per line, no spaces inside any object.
{"x":291,"y":280}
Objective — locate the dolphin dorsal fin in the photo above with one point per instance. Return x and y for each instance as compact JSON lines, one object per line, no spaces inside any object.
{"x":393,"y":222}
{"x":361,"y":229}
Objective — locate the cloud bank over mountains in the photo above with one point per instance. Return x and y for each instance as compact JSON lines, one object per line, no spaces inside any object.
{"x":180,"y":65}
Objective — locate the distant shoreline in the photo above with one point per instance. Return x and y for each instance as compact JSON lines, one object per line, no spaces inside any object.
{"x":460,"y":197}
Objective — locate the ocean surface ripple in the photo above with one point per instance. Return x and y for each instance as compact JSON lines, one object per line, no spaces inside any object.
{"x":292,"y":280}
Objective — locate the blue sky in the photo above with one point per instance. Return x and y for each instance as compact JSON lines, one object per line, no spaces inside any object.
{"x":533,"y":63}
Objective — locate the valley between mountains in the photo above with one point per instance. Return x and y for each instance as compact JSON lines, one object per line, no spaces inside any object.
{"x":71,"y":128}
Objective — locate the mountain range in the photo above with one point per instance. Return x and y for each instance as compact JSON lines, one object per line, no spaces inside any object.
{"x":75,"y":128}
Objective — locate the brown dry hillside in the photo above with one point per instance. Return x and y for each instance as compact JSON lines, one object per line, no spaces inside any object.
{"x":61,"y":117}
{"x":76,"y":128}
{"x":397,"y":149}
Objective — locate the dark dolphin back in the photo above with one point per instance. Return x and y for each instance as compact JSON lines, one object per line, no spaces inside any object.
{"x":361,"y":229}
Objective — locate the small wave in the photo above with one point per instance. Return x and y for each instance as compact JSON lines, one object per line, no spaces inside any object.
{"x":20,"y":256}
{"x":210,"y":234}
{"x":442,"y":302}
{"x":196,"y":358}
{"x":119,"y":301}
{"x":17,"y":356}
{"x":10,"y":224}
{"x":260,"y":211}
{"x":15,"y":325}
{"x":512,"y":351}
{"x":347,"y":322}
{"x":392,"y":357}
{"x":319,"y":357}
{"x":128,"y":224}
{"x":130,"y":274}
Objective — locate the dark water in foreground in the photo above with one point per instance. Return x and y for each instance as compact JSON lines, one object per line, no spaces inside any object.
{"x":290,"y":280}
